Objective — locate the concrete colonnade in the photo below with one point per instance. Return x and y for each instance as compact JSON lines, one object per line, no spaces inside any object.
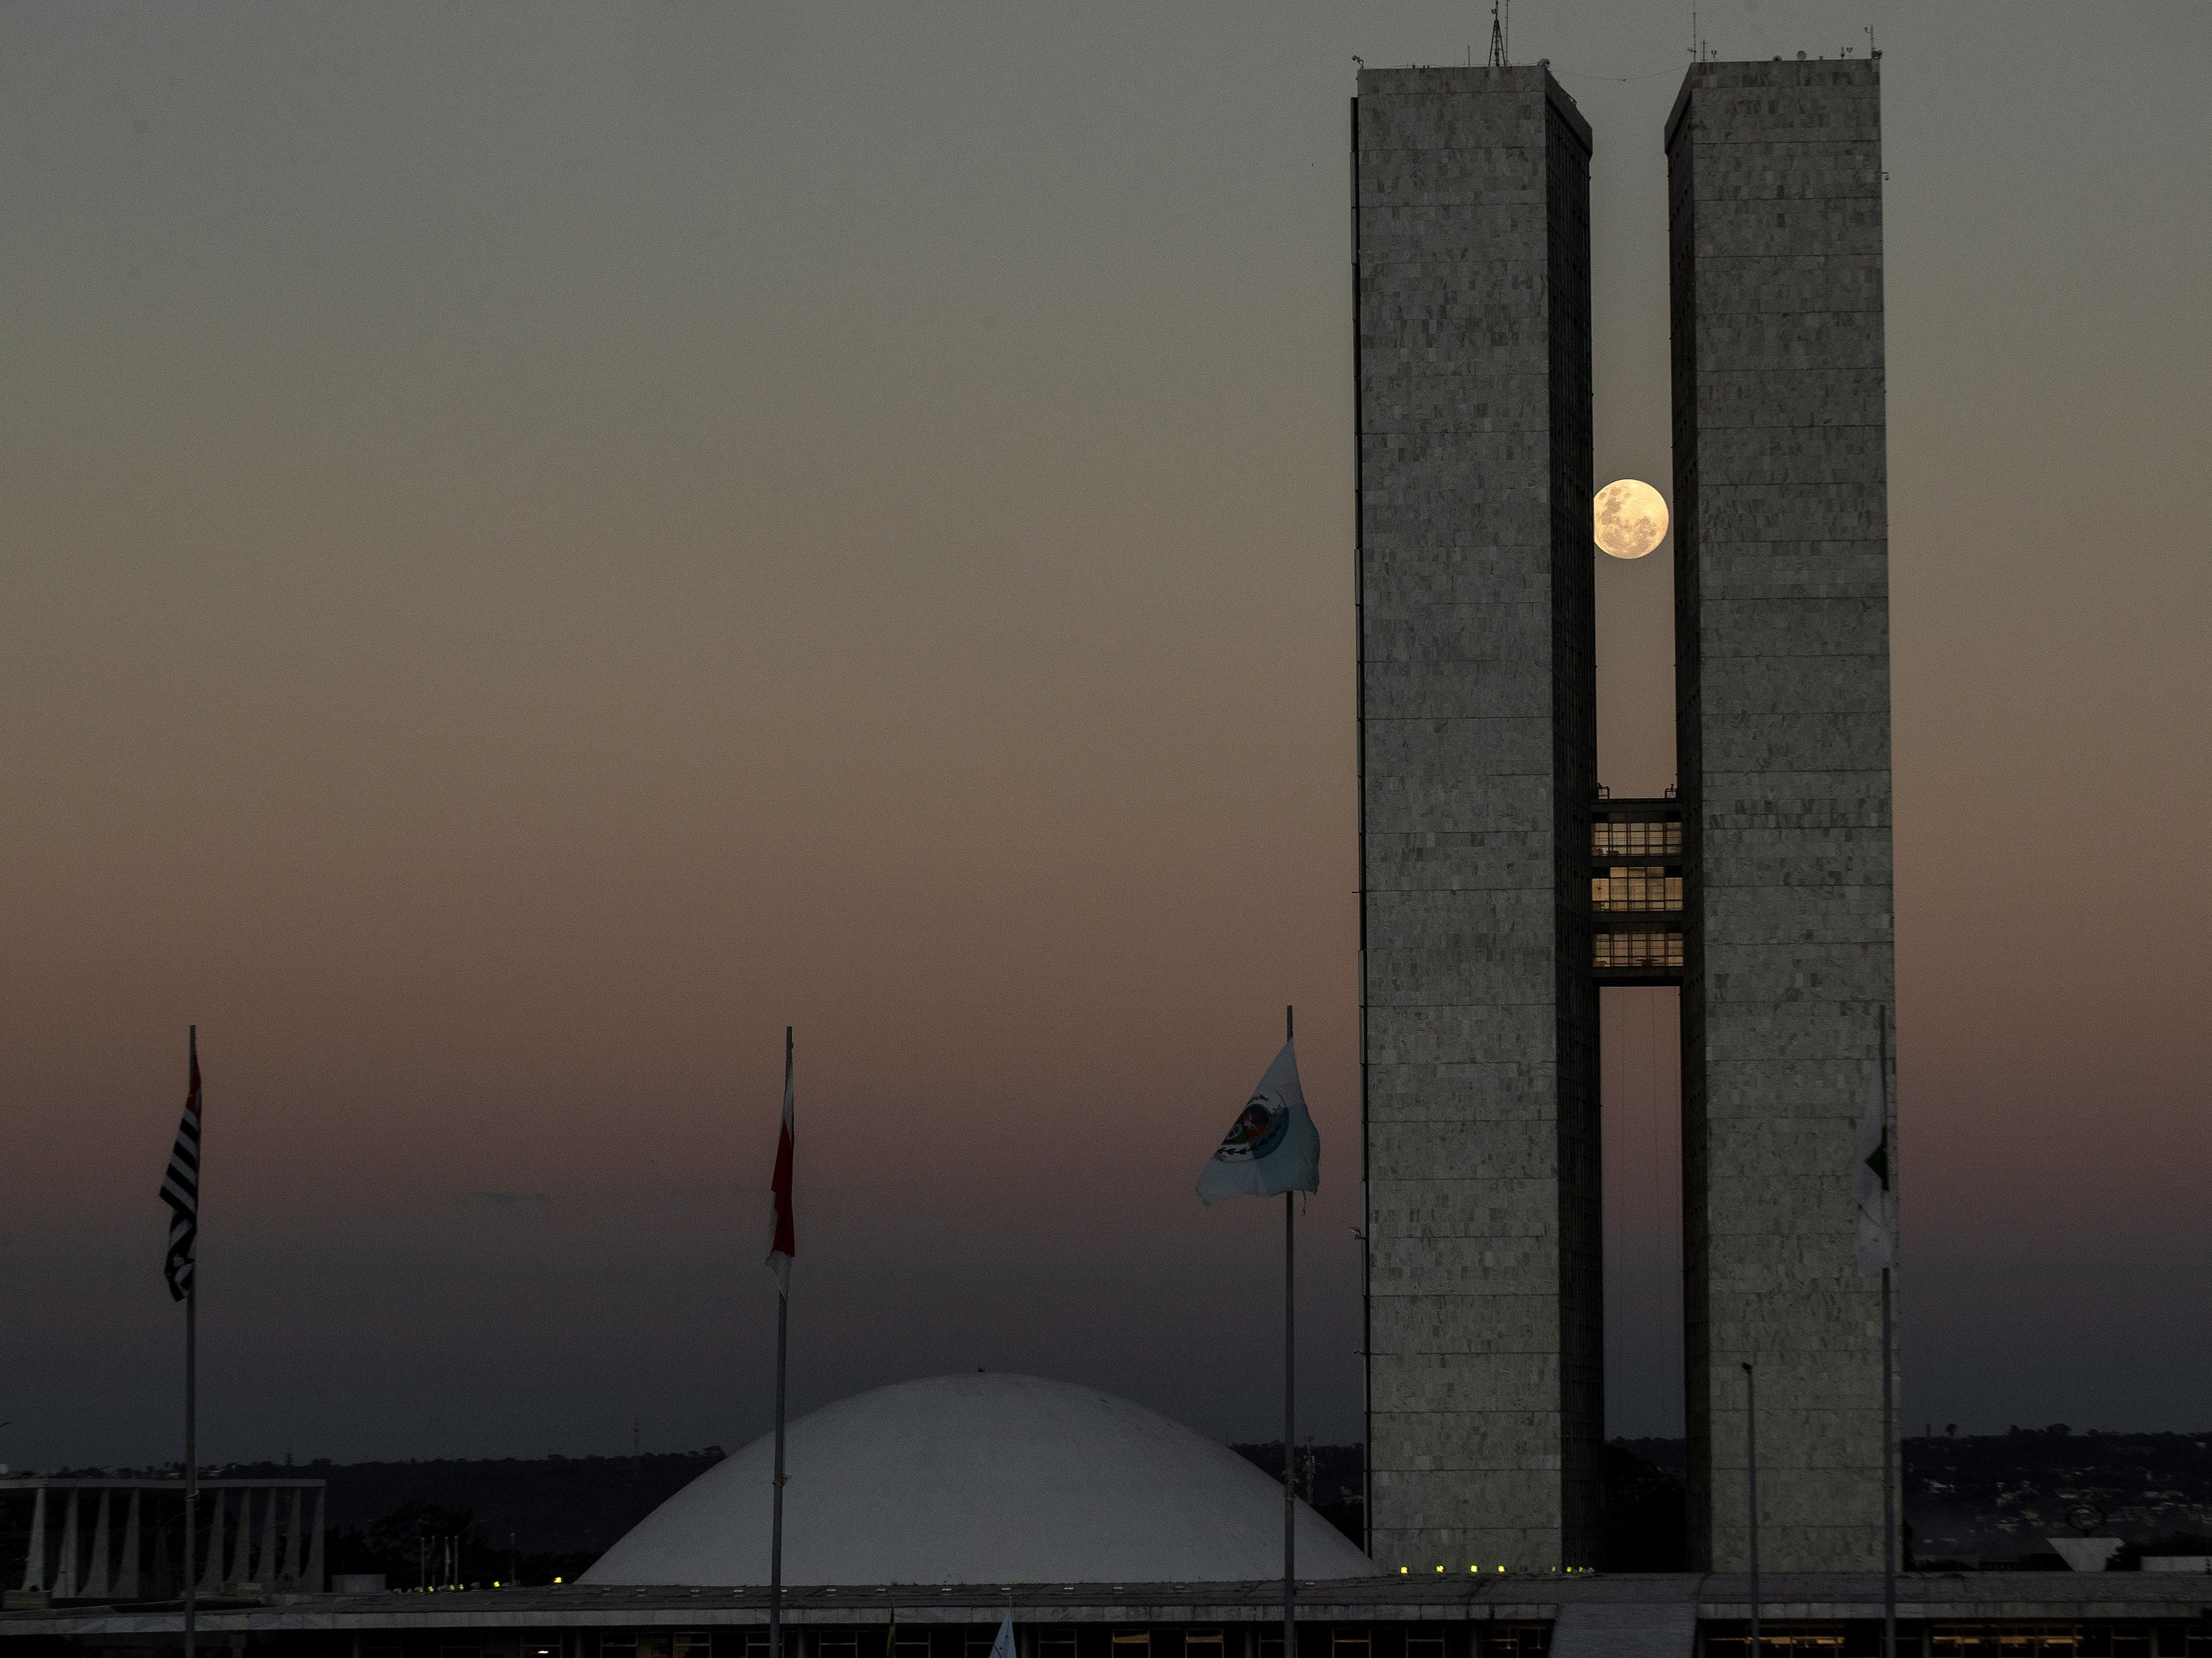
{"x":134,"y":1554}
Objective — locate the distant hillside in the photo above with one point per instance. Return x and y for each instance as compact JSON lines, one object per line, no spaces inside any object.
{"x":551,"y":1504}
{"x":1992,"y":1497}
{"x":1988,"y":1499}
{"x":556,"y":1506}
{"x":1975,"y":1499}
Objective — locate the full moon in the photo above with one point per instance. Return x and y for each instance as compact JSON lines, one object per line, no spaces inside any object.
{"x":1631,"y":518}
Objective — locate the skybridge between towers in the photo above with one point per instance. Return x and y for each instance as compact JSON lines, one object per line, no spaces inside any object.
{"x":1636,"y":890}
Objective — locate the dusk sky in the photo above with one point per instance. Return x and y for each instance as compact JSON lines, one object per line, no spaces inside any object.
{"x":543,"y":545}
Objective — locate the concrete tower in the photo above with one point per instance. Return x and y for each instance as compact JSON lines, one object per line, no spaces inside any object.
{"x":1782,"y":663}
{"x":1500,"y":891}
{"x":1479,"y":764}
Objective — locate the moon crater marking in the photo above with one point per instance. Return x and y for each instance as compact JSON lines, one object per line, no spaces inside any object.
{"x":1628,"y":518}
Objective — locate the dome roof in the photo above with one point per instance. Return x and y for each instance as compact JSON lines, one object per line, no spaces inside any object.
{"x":981,"y":1479}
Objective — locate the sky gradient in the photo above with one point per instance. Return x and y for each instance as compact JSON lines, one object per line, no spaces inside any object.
{"x":542,"y":546}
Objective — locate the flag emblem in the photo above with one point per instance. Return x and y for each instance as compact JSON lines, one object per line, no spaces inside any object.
{"x":180,"y":1188}
{"x":1257,"y":1131}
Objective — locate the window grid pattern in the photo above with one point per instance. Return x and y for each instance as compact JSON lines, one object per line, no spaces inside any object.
{"x":2074,"y":1640}
{"x":1612,"y":838}
{"x":1512,"y":1640}
{"x":1636,"y":886}
{"x":1637,"y":950}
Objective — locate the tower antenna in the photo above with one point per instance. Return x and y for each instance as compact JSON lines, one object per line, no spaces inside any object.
{"x":1501,"y":19}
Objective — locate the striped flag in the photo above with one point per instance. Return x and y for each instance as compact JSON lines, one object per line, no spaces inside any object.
{"x":180,"y":1186}
{"x":783,"y":1242}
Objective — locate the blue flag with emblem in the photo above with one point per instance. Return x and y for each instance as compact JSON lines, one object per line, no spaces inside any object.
{"x":1273,"y":1147}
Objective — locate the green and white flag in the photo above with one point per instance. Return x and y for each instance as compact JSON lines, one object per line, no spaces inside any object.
{"x":1872,"y":1185}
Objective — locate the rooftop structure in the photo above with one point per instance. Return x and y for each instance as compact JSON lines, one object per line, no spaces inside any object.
{"x":979,"y":1478}
{"x":1438,"y":1615}
{"x":117,"y":1538}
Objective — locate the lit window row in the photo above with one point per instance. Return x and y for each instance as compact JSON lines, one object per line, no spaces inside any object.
{"x":1499,"y":1638}
{"x":1618,"y":839}
{"x":1634,"y":887}
{"x":1637,"y":950}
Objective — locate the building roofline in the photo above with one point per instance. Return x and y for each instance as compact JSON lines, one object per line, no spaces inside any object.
{"x":1805,"y":1596}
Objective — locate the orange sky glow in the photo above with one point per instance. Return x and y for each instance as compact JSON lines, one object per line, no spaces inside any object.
{"x":544,"y":546}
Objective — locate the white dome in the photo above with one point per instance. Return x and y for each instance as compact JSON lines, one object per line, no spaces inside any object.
{"x":981,"y":1479}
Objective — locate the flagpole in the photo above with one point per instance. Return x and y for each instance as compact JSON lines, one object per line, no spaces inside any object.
{"x":1888,"y":1385}
{"x":1289,"y":1403}
{"x":1751,"y":1471}
{"x":192,"y":1408}
{"x":1272,"y":1150}
{"x":782,"y":1332}
{"x":776,"y":1539}
{"x":1888,"y":1488}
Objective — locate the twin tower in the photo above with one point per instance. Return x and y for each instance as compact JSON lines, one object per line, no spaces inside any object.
{"x":1501,"y":892}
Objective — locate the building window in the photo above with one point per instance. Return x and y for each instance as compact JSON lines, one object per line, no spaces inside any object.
{"x":2132,"y":1640}
{"x":693,"y":1643}
{"x":1804,"y":1643}
{"x":1636,"y":886}
{"x":1132,"y":1644}
{"x":1347,"y":1642}
{"x":1514,"y":1640}
{"x":1425,"y":1643}
{"x":1057,"y":1642}
{"x":1612,"y":838}
{"x":1619,"y":950}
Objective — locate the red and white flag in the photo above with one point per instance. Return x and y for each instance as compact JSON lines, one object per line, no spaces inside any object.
{"x":783,"y":1240}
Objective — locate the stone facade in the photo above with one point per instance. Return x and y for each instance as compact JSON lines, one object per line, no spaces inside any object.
{"x":1477,"y":750}
{"x":1782,"y":680}
{"x":1478,"y":763}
